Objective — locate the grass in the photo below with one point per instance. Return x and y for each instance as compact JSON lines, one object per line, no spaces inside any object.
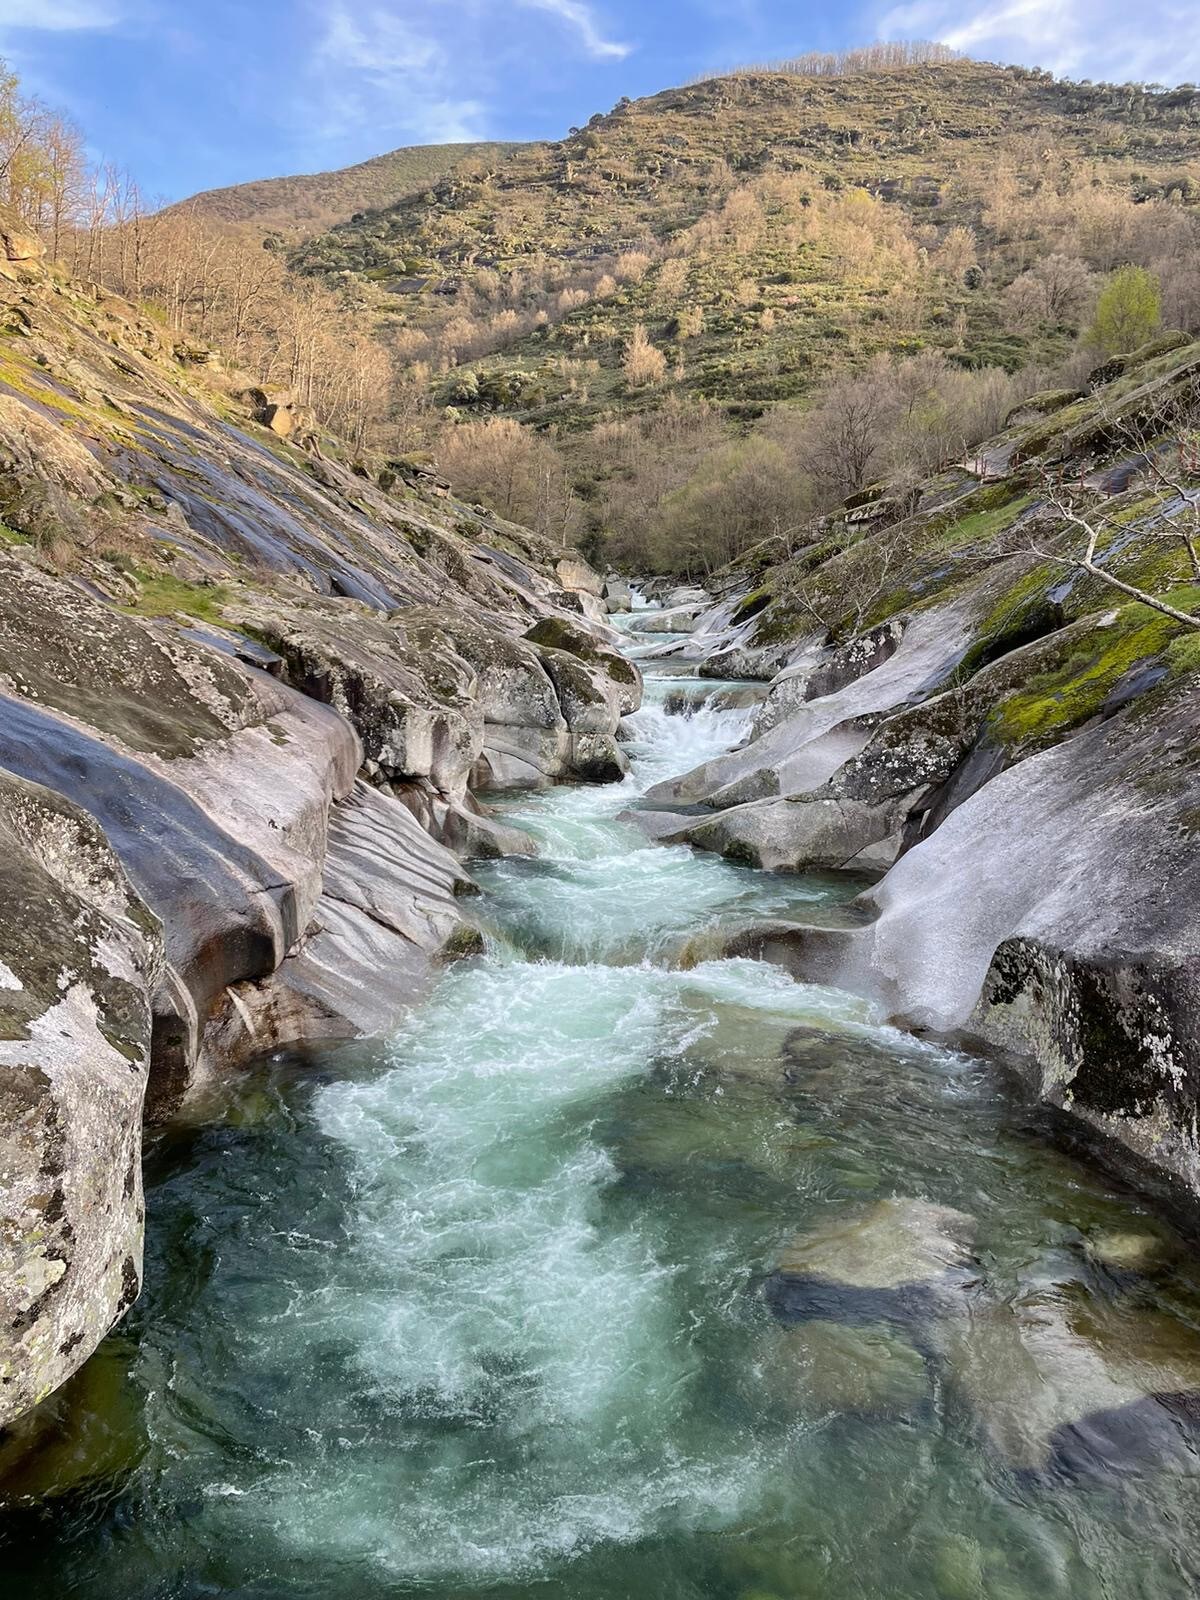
{"x":163,"y":596}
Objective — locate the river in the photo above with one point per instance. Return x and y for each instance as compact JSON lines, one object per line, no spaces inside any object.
{"x":484,"y":1309}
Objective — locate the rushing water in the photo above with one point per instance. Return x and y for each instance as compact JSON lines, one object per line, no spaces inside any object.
{"x":480,"y":1310}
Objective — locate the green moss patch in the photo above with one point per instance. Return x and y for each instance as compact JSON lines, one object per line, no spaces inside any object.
{"x":758,"y":600}
{"x":163,"y":596}
{"x":1053,"y":702}
{"x":982,"y":524}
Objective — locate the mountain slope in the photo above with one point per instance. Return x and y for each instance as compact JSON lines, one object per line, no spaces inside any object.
{"x":295,"y":207}
{"x":653,"y":166}
{"x":767,"y":230}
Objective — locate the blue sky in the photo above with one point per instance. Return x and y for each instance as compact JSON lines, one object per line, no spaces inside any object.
{"x":190,"y":94}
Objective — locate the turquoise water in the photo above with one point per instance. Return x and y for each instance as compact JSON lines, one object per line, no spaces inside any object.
{"x":491,"y":1308}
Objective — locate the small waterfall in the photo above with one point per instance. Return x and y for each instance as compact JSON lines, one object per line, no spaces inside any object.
{"x":664,"y":743}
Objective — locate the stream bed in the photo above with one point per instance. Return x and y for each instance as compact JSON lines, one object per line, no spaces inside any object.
{"x":494,"y":1307}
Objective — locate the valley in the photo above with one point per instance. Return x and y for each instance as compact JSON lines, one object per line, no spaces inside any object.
{"x":599,"y":977}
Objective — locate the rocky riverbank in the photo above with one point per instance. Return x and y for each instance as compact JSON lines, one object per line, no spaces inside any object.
{"x":247,"y":695}
{"x":250,"y":694}
{"x":957,"y":704}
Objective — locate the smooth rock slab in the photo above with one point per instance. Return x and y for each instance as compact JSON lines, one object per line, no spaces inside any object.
{"x":868,"y":1370}
{"x":681,"y":619}
{"x":778,"y":835}
{"x":387,"y":909}
{"x":1061,"y":1384}
{"x":79,"y":956}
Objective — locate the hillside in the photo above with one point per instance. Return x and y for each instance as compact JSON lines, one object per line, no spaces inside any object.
{"x":295,"y":207}
{"x":652,"y":166}
{"x":766,"y":229}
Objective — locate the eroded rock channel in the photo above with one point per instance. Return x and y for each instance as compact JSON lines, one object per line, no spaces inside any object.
{"x":625,"y":1266}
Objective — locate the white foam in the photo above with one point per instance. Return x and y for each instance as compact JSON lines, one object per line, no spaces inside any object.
{"x":521,"y":1321}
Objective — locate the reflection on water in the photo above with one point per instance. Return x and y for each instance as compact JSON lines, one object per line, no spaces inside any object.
{"x":606,"y":1277}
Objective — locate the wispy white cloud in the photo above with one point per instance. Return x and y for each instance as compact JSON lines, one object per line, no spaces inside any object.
{"x":1109,"y":40}
{"x":582,"y":18}
{"x":373,"y":68}
{"x":426,"y":70}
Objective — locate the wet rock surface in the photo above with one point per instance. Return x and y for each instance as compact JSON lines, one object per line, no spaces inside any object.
{"x":261,"y":683}
{"x":825,"y":1368}
{"x":1057,"y":1384}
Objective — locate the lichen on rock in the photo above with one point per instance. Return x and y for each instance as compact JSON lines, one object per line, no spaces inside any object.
{"x":79,"y":958}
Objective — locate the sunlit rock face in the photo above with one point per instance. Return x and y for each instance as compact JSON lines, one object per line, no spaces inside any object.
{"x":79,"y":959}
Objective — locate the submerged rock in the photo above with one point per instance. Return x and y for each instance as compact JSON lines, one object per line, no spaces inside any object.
{"x":901,"y":1259}
{"x":1143,"y":1253}
{"x":869,"y":1369}
{"x":90,"y":1433}
{"x":1055,"y":1384}
{"x":1160,"y":1431}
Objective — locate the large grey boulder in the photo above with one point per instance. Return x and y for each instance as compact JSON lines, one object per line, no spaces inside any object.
{"x":822,"y":830}
{"x":574,"y":573}
{"x":401,"y":684}
{"x":548,"y":713}
{"x":615,"y":679}
{"x":452,"y":701}
{"x":79,"y":958}
{"x":618,"y":594}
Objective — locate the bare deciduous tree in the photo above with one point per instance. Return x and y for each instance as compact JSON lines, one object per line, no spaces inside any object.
{"x":1091,"y":529}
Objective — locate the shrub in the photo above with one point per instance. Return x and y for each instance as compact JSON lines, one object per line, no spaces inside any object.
{"x":1128,"y":311}
{"x":643,"y":364}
